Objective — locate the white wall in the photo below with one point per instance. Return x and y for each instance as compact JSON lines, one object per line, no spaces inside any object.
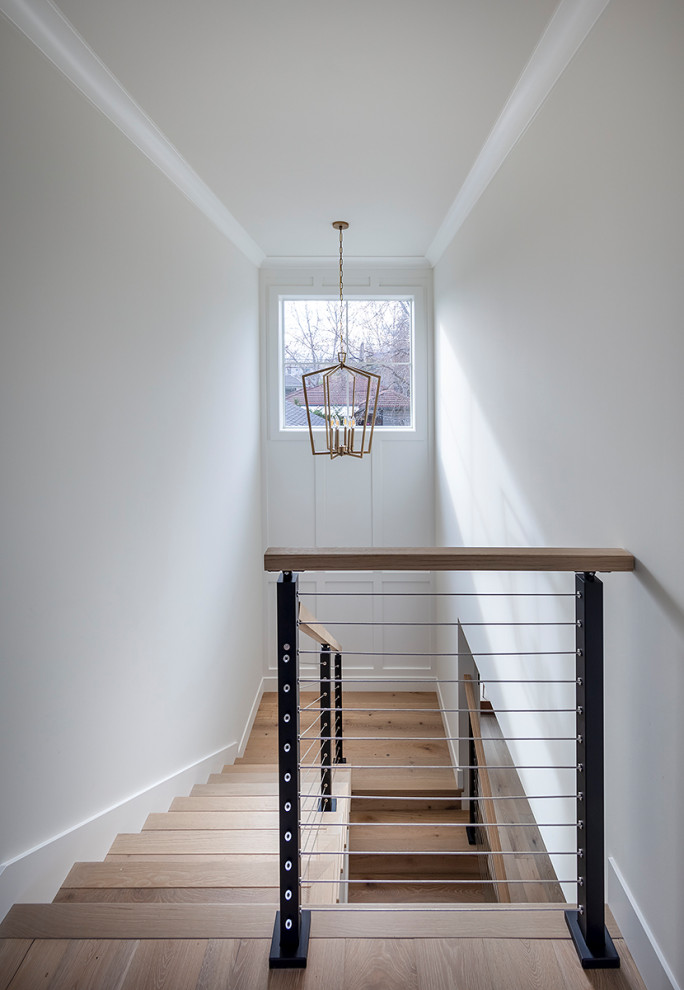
{"x":386,"y":499}
{"x":131,"y":544}
{"x":558,"y":313}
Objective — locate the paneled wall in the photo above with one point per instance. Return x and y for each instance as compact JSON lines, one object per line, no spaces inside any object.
{"x":386,"y":499}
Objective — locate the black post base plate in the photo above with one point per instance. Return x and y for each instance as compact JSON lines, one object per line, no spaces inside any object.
{"x":605,"y":958}
{"x":293,"y":958}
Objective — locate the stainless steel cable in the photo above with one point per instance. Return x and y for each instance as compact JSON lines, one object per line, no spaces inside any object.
{"x":310,"y":747}
{"x":412,"y":653}
{"x":434,"y":852}
{"x":450,"y":907}
{"x":455,"y":798}
{"x":445,"y":738}
{"x":444,"y":766}
{"x":436,"y":594}
{"x":420,"y":880}
{"x":338,"y":622}
{"x":438,"y":680}
{"x":453,"y":711}
{"x":305,"y":708}
{"x":481,"y":824}
{"x":459,"y":852}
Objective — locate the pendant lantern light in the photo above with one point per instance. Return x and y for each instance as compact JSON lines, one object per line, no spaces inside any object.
{"x":346,"y":398}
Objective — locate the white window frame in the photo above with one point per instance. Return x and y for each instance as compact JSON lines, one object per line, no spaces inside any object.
{"x":360,"y":283}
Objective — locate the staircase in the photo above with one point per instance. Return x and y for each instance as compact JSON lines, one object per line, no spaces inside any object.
{"x":207,"y":868}
{"x":395,"y":804}
{"x":190,"y":900}
{"x":382,"y":850}
{"x":219,"y":845}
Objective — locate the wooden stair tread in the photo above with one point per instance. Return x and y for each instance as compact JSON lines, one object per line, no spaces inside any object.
{"x":184,"y":857}
{"x":184,"y":820}
{"x":406,"y":803}
{"x":238,"y":769}
{"x":414,"y":780}
{"x":410,"y":839}
{"x":180,"y":821}
{"x":253,"y":776}
{"x":225,"y":802}
{"x":173,"y":895}
{"x":202,"y":921}
{"x":198,"y":841}
{"x":405,"y":866}
{"x":137,"y":921}
{"x":311,"y":894}
{"x":229,"y":788}
{"x":240,"y":871}
{"x":419,"y":893}
{"x":411,"y":815}
{"x":248,"y":777}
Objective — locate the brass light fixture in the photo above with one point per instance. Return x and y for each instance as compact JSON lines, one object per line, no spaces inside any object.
{"x":346,"y":398}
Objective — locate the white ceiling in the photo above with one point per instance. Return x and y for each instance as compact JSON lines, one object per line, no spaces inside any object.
{"x":298,"y":113}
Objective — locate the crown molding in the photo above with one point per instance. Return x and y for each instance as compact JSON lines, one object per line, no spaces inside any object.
{"x":49,"y":30}
{"x":566,"y":31}
{"x":350,"y":261}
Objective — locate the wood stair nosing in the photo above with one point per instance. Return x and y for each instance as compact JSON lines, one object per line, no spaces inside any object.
{"x":207,"y":921}
{"x":226,"y":802}
{"x":211,"y":841}
{"x":238,"y":871}
{"x":172,"y":895}
{"x":175,"y":821}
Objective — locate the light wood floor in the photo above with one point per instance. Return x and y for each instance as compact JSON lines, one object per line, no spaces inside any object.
{"x":189,"y":902}
{"x":334,"y":964}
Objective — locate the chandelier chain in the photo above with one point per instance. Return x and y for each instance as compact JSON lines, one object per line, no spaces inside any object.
{"x":341,"y":293}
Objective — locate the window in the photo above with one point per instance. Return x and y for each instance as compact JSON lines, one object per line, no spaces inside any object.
{"x":379,"y":335}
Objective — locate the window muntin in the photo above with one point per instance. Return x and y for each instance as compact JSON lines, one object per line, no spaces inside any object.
{"x":379,"y":338}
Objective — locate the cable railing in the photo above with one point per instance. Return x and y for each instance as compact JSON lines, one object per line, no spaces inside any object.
{"x":311,"y":742}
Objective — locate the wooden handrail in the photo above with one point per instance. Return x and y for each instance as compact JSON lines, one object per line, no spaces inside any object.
{"x":485,"y":795}
{"x":312,"y":628}
{"x":447,"y":559}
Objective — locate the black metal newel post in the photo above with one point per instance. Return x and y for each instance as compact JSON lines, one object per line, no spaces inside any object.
{"x":587,"y":924}
{"x":327,"y":803}
{"x":471,"y":829}
{"x":290,"y":942}
{"x":339,"y":754}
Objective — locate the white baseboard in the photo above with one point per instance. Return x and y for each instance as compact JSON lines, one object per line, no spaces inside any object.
{"x":450,"y":731}
{"x":251,"y":717}
{"x":640,"y":940}
{"x":37,"y":874}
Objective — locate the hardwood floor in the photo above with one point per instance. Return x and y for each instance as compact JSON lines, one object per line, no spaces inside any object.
{"x":189,"y":902}
{"x":417,"y":963}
